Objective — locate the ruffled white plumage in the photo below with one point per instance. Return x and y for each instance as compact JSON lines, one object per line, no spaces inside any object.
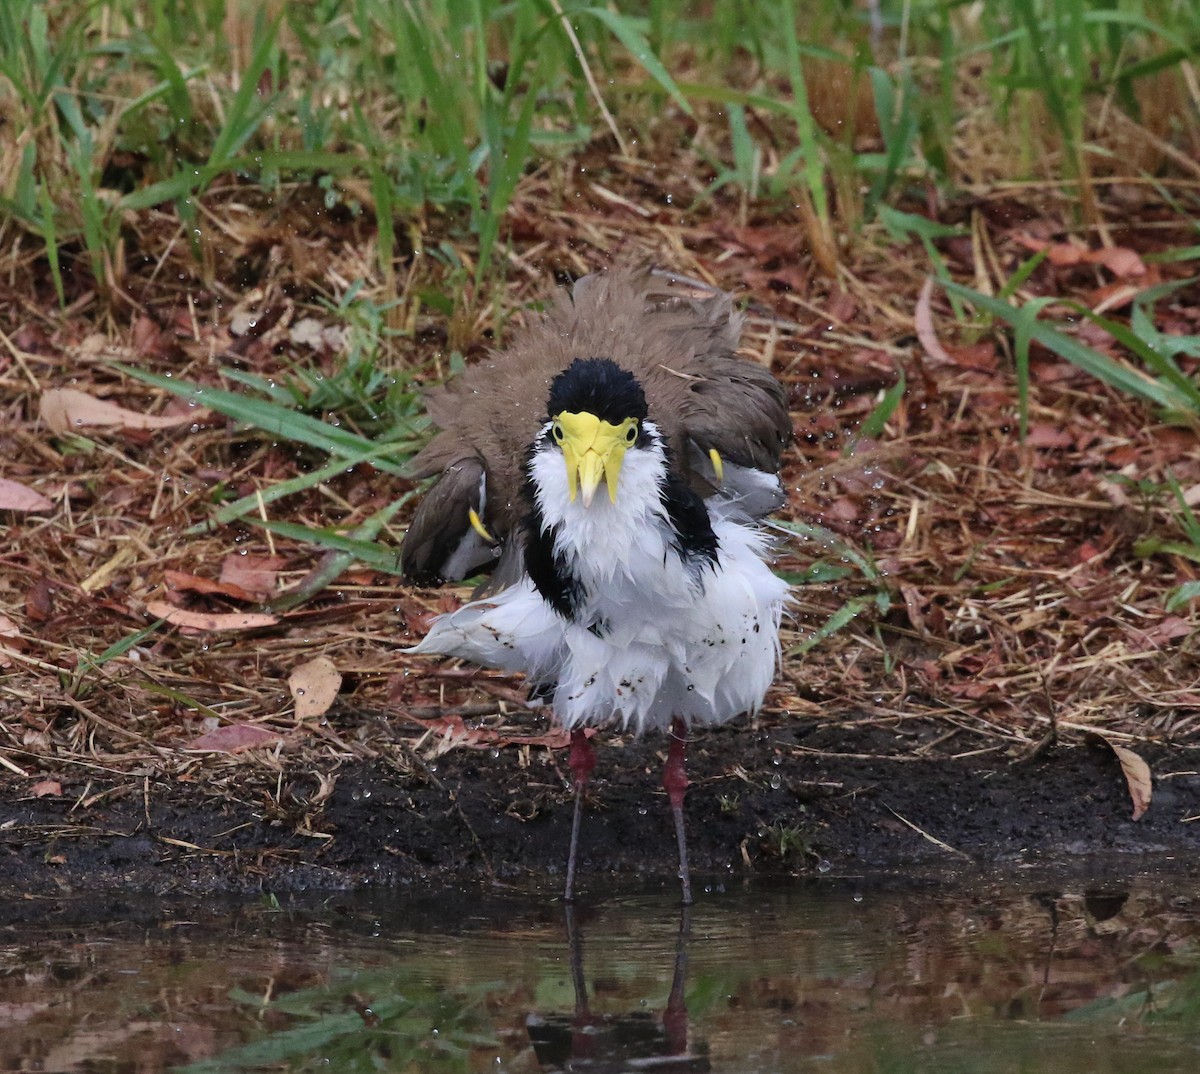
{"x":657,"y":636}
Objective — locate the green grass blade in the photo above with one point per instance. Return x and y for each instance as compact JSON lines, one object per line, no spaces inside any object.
{"x":1111,"y":372}
{"x":365,"y":552}
{"x":270,"y":418}
{"x":625,"y":30}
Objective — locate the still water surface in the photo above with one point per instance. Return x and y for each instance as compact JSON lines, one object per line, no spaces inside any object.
{"x":840,"y":977}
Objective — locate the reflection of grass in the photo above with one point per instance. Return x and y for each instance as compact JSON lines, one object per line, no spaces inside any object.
{"x":1174,"y":1003}
{"x":424,"y":1026}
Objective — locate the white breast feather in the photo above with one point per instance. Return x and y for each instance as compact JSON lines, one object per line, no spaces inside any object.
{"x":672,"y":639}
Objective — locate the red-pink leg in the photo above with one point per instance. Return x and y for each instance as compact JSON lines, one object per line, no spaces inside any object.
{"x":675,"y":782}
{"x":582,"y":760}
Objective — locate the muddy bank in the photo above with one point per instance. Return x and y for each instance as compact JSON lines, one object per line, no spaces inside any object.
{"x":791,"y":800}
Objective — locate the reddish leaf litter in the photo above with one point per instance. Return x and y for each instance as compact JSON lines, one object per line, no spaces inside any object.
{"x":1006,"y":682}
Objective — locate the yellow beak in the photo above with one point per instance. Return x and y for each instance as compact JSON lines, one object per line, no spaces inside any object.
{"x":593,"y":450}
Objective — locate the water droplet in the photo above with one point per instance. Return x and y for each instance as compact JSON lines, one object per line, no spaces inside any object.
{"x":776,"y":781}
{"x":823,"y":866}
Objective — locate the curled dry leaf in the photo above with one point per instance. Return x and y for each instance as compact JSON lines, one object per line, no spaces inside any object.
{"x":8,"y":629}
{"x":314,"y":686}
{"x":16,"y":497}
{"x":182,"y":580}
{"x":46,"y":788}
{"x":210,"y":620}
{"x":923,"y":321}
{"x":234,"y":737}
{"x":1137,"y":775}
{"x":67,"y":409}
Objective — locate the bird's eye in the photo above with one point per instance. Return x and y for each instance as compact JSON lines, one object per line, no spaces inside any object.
{"x":556,"y":431}
{"x":631,"y":434}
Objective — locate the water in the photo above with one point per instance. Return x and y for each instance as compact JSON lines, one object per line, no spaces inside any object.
{"x":830,"y":976}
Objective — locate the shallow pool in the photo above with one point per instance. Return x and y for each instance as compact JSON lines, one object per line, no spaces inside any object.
{"x":836,"y":975}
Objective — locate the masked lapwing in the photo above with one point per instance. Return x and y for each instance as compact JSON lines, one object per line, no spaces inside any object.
{"x":610,"y":465}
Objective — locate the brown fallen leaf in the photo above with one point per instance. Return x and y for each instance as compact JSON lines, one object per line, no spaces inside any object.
{"x":45,"y":788}
{"x":1136,"y":771}
{"x":1119,"y":260}
{"x":1045,"y":435}
{"x":923,"y":321}
{"x":182,"y":580}
{"x":39,"y":599}
{"x":1157,"y":635}
{"x":17,"y":497}
{"x":234,"y":737}
{"x":8,"y":629}
{"x":160,"y":609}
{"x":256,"y":574}
{"x":1137,"y":776}
{"x":67,"y":409}
{"x":314,"y":686}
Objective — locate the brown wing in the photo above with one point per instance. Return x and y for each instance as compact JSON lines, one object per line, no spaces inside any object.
{"x":682,"y":349}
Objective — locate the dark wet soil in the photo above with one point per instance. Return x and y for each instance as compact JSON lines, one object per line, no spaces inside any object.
{"x":801,"y":798}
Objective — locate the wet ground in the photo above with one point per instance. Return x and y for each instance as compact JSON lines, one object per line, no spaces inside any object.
{"x":848,"y":977}
{"x":800,"y":799}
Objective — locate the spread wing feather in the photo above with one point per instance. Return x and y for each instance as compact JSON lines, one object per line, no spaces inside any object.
{"x":682,"y":349}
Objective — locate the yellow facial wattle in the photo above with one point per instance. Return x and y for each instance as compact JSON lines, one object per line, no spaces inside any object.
{"x":593,"y":450}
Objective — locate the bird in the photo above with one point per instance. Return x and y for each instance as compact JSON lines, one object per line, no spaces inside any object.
{"x":610,"y":467}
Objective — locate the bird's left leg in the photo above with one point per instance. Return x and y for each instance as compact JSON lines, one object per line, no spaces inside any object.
{"x":675,"y":782}
{"x":582,"y":760}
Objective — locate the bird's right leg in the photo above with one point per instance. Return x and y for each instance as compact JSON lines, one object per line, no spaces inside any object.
{"x":582,"y":760}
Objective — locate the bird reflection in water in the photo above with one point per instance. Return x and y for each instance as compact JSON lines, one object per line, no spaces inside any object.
{"x":638,"y":1040}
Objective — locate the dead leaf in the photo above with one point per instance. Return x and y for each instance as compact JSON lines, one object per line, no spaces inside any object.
{"x":979,"y":356}
{"x":8,"y":629}
{"x":1043,"y":435}
{"x":16,"y":497}
{"x":923,"y":320}
{"x":1137,"y":776}
{"x":914,"y":604}
{"x":1113,"y":296}
{"x":1168,"y":629}
{"x":255,"y":574}
{"x":234,"y":737}
{"x":39,"y":600}
{"x":181,"y":580}
{"x":160,"y":609}
{"x":45,"y":788}
{"x":314,"y":686}
{"x":1119,"y":260}
{"x":67,"y":409}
